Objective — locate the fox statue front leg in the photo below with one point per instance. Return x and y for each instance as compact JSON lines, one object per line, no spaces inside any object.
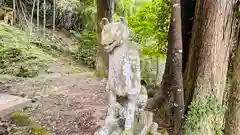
{"x":133,"y":84}
{"x":111,"y":121}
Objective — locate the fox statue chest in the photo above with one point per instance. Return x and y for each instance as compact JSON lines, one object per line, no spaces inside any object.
{"x":121,"y":70}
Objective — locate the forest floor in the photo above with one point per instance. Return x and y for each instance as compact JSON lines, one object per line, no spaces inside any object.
{"x":67,"y":98}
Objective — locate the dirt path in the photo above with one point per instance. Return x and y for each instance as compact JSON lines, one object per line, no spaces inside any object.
{"x":66,"y":102}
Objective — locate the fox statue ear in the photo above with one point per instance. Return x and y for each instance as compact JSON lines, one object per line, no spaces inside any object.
{"x":123,"y":20}
{"x":103,"y":22}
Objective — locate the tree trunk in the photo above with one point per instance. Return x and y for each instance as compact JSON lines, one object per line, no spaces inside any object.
{"x":160,"y":104}
{"x":172,"y":82}
{"x":164,"y":91}
{"x":207,"y":65}
{"x":187,"y":22}
{"x":44,"y":18}
{"x":233,"y":115}
{"x":38,"y":4}
{"x":105,"y":8}
{"x":176,"y":66}
{"x":14,"y":11}
{"x":54,"y":16}
{"x":159,"y":73}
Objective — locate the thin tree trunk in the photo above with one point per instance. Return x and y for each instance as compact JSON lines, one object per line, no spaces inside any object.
{"x":105,"y":8}
{"x":161,"y":102}
{"x":14,"y":11}
{"x":24,"y":15}
{"x":164,"y":91}
{"x":187,"y":22}
{"x":159,"y":73}
{"x":33,"y":8}
{"x":207,"y":65}
{"x":232,"y":125}
{"x":111,"y":10}
{"x":38,"y":4}
{"x":176,"y":66}
{"x":54,"y":16}
{"x":44,"y":18}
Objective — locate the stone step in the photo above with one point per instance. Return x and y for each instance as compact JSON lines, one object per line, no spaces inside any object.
{"x":10,"y":103}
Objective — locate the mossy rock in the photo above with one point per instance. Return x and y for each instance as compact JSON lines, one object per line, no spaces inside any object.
{"x":26,"y":125}
{"x":163,"y":132}
{"x":21,"y":119}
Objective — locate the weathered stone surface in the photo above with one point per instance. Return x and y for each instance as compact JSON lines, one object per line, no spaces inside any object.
{"x":9,"y":104}
{"x":127,"y":98}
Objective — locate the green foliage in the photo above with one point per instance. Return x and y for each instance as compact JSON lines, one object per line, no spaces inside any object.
{"x":126,"y":7}
{"x":87,"y":15}
{"x":149,"y":24}
{"x":87,"y":47}
{"x":150,"y":27}
{"x":207,"y":109}
{"x":17,"y":56}
{"x":129,"y":8}
{"x":163,"y":8}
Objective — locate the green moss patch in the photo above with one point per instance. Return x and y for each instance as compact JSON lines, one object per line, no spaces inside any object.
{"x":203,"y":112}
{"x":18,"y":56}
{"x":26,"y":125}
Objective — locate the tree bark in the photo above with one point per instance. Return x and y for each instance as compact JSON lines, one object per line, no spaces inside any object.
{"x":44,"y":18}
{"x":38,"y":4}
{"x":172,"y":82}
{"x":164,"y":91}
{"x":54,"y":16}
{"x":176,"y":66}
{"x":105,"y":8}
{"x":160,"y":104}
{"x":232,"y":125}
{"x":187,"y":15}
{"x":14,"y":12}
{"x":207,"y":65}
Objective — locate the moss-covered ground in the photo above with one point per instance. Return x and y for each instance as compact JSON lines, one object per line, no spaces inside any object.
{"x":67,"y":98}
{"x":18,"y":55}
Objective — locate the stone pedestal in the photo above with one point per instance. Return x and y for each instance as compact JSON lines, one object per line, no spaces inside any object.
{"x":9,"y":104}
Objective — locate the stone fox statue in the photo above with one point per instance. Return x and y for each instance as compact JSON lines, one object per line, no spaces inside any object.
{"x":126,"y":95}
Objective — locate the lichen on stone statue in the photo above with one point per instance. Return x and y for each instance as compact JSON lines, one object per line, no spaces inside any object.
{"x":127,"y":98}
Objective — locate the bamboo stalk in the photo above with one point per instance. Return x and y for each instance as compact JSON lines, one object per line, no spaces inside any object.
{"x":38,"y":14}
{"x":14,"y":11}
{"x":44,"y":18}
{"x":54,"y":15}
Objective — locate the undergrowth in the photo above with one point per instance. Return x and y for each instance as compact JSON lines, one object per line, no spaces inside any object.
{"x":87,"y":47}
{"x":18,"y":56}
{"x":207,"y":110}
